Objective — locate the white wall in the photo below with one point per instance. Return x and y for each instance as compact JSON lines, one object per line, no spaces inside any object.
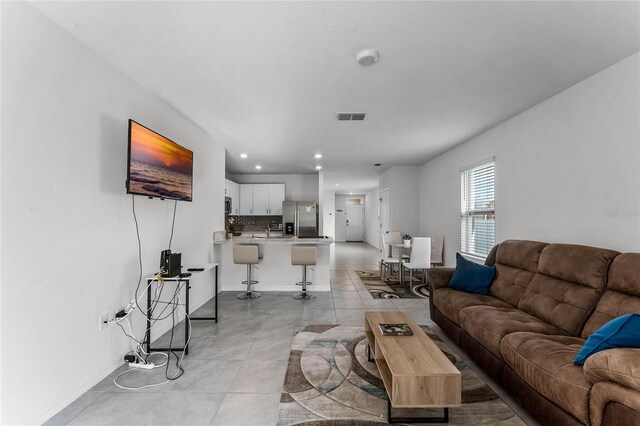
{"x":404,"y":198}
{"x":567,"y":170}
{"x":297,"y":187}
{"x":371,"y":220}
{"x":69,"y":248}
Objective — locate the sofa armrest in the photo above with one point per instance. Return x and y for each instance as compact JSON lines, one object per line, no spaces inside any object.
{"x":439,"y":277}
{"x":613,"y":404}
{"x":620,"y":365}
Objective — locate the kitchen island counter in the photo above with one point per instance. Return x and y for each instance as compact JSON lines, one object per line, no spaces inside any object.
{"x":277,"y":240}
{"x":275,"y":272}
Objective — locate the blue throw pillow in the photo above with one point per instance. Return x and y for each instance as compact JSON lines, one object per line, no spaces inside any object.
{"x":472,"y":277}
{"x":621,"y":332}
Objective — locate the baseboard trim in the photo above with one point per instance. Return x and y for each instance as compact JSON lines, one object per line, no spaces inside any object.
{"x":62,"y":402}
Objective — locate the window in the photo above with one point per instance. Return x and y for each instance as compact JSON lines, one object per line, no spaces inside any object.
{"x":477,"y":209}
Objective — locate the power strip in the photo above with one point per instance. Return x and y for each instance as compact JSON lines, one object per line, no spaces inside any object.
{"x":148,"y":366}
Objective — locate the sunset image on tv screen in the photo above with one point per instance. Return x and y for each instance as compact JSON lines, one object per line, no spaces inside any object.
{"x":159,"y":167}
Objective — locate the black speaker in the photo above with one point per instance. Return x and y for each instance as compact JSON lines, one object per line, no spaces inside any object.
{"x":170,"y":263}
{"x":164,"y":258}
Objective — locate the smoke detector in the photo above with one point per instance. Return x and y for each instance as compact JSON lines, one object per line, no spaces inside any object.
{"x":367,"y":57}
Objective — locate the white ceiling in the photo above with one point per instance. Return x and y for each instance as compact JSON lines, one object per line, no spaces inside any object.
{"x":267,"y":78}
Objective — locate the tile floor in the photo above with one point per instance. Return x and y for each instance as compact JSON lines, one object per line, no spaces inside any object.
{"x":235,"y":369}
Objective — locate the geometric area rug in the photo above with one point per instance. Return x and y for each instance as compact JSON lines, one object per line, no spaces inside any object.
{"x":329,"y":382}
{"x":391,"y":288}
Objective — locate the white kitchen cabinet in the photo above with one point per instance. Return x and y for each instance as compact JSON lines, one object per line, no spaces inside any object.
{"x":260,"y":199}
{"x":235,"y":197}
{"x":232,"y":190}
{"x":246,"y":199}
{"x":276,"y":197}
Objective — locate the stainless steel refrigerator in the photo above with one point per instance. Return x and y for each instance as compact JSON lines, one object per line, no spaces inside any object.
{"x":300,"y":218}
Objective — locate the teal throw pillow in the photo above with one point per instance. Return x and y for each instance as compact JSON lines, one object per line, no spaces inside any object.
{"x":621,"y":332}
{"x":472,"y":277}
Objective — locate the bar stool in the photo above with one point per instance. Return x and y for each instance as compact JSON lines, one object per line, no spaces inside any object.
{"x":246,"y":254}
{"x":303,"y":256}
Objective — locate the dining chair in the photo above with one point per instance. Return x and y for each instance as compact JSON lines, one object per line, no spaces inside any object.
{"x":384,"y":256}
{"x":437,"y":250}
{"x":395,"y":237}
{"x":420,"y":257}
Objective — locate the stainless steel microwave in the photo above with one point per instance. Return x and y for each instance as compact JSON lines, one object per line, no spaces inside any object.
{"x":227,"y":205}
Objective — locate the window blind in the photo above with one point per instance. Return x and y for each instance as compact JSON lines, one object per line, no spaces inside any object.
{"x":477,"y":210}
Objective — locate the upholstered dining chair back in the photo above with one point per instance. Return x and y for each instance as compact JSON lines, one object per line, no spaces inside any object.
{"x":383,"y":250}
{"x":437,"y":250}
{"x":394,"y":237}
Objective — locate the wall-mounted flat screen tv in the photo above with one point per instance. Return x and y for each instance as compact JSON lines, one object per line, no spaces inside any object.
{"x":158,"y":167}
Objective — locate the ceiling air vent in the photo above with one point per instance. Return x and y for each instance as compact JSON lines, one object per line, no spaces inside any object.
{"x":350,"y":116}
{"x":377,"y":164}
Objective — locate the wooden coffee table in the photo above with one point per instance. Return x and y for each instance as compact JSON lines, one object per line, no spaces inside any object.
{"x":416,"y":374}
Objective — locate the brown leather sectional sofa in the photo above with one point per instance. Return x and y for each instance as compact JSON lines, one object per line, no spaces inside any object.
{"x":546,"y":299}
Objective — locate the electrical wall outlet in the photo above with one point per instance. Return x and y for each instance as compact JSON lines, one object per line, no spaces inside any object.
{"x":103,"y":319}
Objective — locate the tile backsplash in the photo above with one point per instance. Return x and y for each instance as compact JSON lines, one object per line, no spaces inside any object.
{"x":251,"y":223}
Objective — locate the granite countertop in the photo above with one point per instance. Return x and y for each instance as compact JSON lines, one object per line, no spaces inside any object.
{"x":276,"y":240}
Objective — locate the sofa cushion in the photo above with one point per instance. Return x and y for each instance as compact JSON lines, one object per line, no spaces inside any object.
{"x":521,"y":254}
{"x":546,"y":364}
{"x":620,"y":365}
{"x":516,"y":264}
{"x":488,"y":325}
{"x":472,"y":277}
{"x":622,"y":295}
{"x":621,"y":332}
{"x":450,"y":302}
{"x":569,"y":281}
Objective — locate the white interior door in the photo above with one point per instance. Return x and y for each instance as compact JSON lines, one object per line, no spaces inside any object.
{"x":384,"y":211}
{"x":355,"y":222}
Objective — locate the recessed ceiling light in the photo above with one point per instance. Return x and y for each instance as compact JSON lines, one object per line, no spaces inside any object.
{"x":243,"y":155}
{"x":351,"y":193}
{"x":318,"y":156}
{"x":318,"y":167}
{"x":258,"y":167}
{"x":337,"y":184}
